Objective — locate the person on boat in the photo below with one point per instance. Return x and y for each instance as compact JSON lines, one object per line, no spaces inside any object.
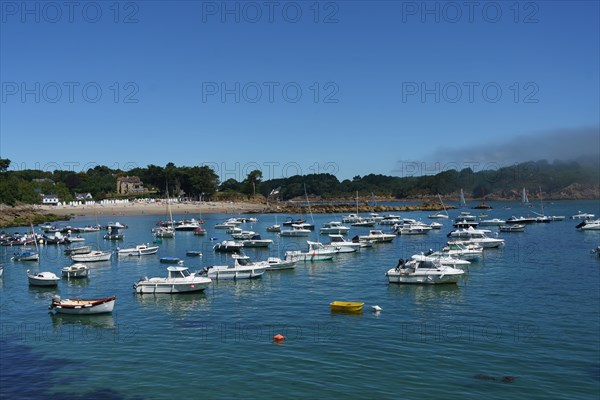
{"x":400,"y":264}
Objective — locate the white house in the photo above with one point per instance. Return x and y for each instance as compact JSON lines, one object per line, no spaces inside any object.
{"x":50,"y":199}
{"x":83,"y":196}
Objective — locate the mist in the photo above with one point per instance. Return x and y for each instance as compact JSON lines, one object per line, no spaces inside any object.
{"x":573,"y":144}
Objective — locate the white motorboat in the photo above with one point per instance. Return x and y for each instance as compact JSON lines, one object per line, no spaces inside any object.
{"x":520,"y":220}
{"x":438,"y":215}
{"x":26,"y":254}
{"x":77,"y":270}
{"x":274,"y":228}
{"x":93,"y":256}
{"x":447,"y":260}
{"x":363,"y":223}
{"x":164,"y":232}
{"x":340,"y":241}
{"x":411,"y":229}
{"x":276,"y":263}
{"x":339,"y":249}
{"x":296,"y":231}
{"x":316,"y":252}
{"x":234,"y":230}
{"x":334,"y":227}
{"x":377,"y":236}
{"x":257,"y":241}
{"x":229,"y":223}
{"x":243,"y":235}
{"x":78,"y":250}
{"x":81,"y":306}
{"x":492,"y":222}
{"x":116,"y":225}
{"x":390,"y":219}
{"x":421,"y":269}
{"x":582,"y":215}
{"x":139,"y":250}
{"x":351,"y":218}
{"x":512,"y":228}
{"x":468,"y":252}
{"x":588,"y":225}
{"x":478,"y":236}
{"x":42,"y":278}
{"x":188,"y":226}
{"x":375,"y":217}
{"x":466,"y":232}
{"x":242,"y":268}
{"x":228,"y":246}
{"x":178,"y":280}
{"x":289,"y":221}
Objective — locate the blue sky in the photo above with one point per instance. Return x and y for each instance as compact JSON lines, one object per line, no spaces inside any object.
{"x":347,"y":87}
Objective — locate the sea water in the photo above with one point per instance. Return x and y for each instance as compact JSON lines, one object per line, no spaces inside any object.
{"x":529,"y":311}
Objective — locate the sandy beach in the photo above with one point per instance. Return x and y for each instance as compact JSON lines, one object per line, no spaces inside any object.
{"x":193,"y":208}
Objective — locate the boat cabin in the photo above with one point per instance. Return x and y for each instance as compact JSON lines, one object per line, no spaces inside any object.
{"x":178,"y":272}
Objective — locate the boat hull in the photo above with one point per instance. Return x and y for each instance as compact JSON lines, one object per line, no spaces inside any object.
{"x":154,"y":286}
{"x":75,"y":272}
{"x":43,"y":282}
{"x":92,"y":257}
{"x":276,"y":265}
{"x":234,"y":273}
{"x":346,"y":306}
{"x":84,"y":307}
{"x":425,"y":278}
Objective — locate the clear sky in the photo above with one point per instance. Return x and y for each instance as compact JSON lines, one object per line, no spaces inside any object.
{"x":348,"y":87}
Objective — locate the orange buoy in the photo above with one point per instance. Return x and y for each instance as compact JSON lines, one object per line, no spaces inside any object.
{"x":279,"y":337}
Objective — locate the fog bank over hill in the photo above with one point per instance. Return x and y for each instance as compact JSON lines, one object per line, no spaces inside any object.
{"x":569,"y":144}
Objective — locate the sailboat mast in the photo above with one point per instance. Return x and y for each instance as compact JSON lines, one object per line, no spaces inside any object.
{"x":308,"y":202}
{"x":443,"y":206}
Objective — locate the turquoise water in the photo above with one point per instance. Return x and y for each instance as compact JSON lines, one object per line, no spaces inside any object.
{"x":530,"y":310}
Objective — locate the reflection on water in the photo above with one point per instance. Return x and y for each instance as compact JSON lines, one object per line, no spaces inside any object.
{"x":182,"y":302}
{"x":104,"y":321}
{"x":423,"y":294}
{"x":42,"y":293}
{"x":77,"y":282}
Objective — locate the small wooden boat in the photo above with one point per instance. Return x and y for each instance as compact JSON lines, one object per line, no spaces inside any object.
{"x":199,"y":231}
{"x":346,"y":306}
{"x":42,"y":279}
{"x":80,"y":306}
{"x":93,"y":256}
{"x":75,"y":271}
{"x":193,"y":253}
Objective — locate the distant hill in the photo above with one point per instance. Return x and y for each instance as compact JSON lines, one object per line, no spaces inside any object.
{"x":557,"y":180}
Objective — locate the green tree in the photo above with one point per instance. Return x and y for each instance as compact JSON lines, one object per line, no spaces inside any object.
{"x":4,"y":164}
{"x":252,"y":181}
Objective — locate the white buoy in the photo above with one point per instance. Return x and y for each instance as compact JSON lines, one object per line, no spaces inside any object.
{"x":376,"y":308}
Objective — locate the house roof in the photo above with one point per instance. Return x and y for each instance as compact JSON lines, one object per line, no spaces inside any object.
{"x":129,"y":179}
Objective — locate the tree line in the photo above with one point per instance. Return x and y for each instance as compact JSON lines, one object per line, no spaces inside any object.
{"x":202,"y":183}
